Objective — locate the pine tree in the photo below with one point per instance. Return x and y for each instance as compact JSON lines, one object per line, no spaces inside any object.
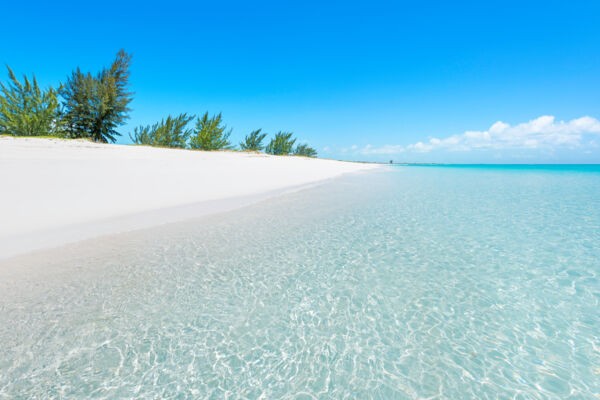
{"x":171,"y":132}
{"x":79,"y":104}
{"x":95,"y":106}
{"x":253,"y":141}
{"x":281,"y":144}
{"x":27,"y":110}
{"x":305,"y":150}
{"x":210,"y":134}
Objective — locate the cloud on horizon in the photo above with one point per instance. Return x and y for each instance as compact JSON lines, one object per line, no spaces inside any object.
{"x":540,"y":133}
{"x":386,"y":149}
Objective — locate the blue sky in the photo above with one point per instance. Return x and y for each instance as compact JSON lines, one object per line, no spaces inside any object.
{"x":356,"y":80}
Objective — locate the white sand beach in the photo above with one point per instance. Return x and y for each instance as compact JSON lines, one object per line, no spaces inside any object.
{"x":57,"y":191}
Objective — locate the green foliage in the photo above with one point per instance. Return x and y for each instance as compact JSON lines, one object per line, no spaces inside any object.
{"x":171,"y":132}
{"x":95,"y":106}
{"x":253,"y":141}
{"x":305,"y":150}
{"x":210,"y":134}
{"x":26,"y":110}
{"x":78,"y":96}
{"x":281,"y":144}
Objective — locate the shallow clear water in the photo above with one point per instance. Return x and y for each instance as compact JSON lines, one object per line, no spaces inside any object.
{"x":417,"y":282}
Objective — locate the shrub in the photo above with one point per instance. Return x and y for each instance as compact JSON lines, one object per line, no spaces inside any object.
{"x":281,"y":144}
{"x":253,"y":141}
{"x":210,"y":134}
{"x":27,"y":110}
{"x":171,"y":132}
{"x":305,"y":150}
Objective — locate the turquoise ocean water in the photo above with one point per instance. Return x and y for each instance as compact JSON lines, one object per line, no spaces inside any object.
{"x":411,"y":282}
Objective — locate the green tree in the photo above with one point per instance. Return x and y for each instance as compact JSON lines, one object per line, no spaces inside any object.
{"x":27,"y":110}
{"x":171,"y":132}
{"x":95,"y":106}
{"x":281,"y":144}
{"x":210,"y":134}
{"x":253,"y":141}
{"x":305,"y":150}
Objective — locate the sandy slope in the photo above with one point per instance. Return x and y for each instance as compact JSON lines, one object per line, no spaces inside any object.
{"x":54,"y":191}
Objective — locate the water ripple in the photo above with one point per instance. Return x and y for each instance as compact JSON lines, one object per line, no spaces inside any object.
{"x":417,"y":283}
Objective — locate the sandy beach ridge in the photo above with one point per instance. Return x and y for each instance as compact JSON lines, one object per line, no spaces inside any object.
{"x":57,"y":191}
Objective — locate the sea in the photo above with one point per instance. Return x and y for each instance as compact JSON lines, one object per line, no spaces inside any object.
{"x":408,"y":282}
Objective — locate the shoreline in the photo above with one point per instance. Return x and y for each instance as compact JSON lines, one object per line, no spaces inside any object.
{"x":64,"y":191}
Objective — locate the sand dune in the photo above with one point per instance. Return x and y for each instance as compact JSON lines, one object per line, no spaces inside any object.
{"x":56,"y":191}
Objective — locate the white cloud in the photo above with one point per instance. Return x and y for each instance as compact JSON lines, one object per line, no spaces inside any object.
{"x":385,"y":149}
{"x":541,"y":133}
